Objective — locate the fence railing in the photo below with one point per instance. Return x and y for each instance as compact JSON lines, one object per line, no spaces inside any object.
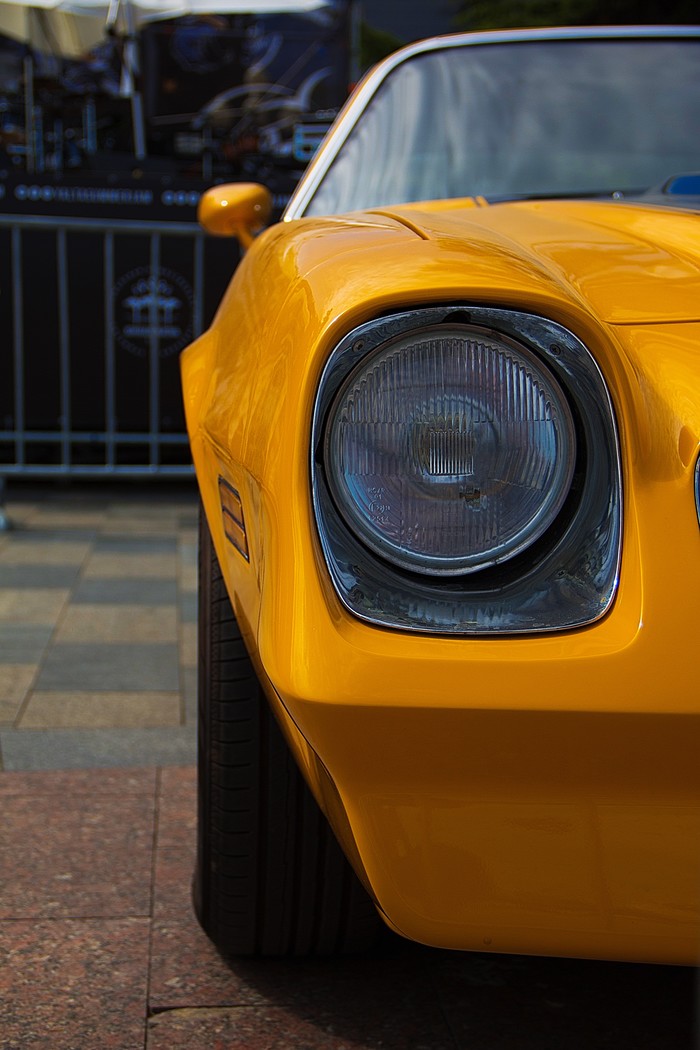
{"x":93,"y":315}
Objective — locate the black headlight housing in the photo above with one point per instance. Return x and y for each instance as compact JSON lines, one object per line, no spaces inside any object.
{"x":465,"y":474}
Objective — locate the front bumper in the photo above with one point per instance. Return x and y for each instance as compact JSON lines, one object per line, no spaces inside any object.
{"x":557,"y":833}
{"x":537,"y":795}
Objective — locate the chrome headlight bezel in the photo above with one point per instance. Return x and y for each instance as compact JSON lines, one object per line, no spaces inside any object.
{"x":566,"y":578}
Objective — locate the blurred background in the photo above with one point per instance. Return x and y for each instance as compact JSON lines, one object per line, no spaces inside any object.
{"x":115,"y":115}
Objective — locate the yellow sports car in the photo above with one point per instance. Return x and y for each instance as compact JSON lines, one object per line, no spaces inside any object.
{"x":446,"y":428}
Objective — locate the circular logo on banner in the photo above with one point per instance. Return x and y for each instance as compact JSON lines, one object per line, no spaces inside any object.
{"x":148,"y":307}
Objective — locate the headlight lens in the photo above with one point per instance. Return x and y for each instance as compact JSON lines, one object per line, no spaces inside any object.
{"x":465,"y":474}
{"x":450,"y":449}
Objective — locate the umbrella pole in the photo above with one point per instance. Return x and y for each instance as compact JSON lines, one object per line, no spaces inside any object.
{"x":29,"y":115}
{"x":138,"y":124}
{"x":130,"y":69}
{"x":131,"y":59}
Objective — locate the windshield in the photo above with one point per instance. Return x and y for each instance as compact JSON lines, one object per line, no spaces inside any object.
{"x":534,"y":118}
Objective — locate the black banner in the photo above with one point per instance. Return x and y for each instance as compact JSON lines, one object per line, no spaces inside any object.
{"x":94,"y":195}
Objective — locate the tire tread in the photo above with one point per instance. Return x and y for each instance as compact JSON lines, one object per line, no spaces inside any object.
{"x":270,"y":877}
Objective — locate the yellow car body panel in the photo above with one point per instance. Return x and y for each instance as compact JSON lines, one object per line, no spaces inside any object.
{"x":516,"y":793}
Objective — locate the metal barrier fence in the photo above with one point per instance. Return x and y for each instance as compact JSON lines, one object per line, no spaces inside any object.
{"x":93,"y":315}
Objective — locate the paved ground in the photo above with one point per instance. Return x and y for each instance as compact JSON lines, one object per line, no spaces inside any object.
{"x":97,"y":628}
{"x":98,"y":945}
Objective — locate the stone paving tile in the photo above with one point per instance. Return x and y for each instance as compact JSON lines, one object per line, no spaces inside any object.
{"x":187,"y":568}
{"x":188,"y":645}
{"x":73,"y":984}
{"x":22,"y":643}
{"x":275,"y":1028}
{"x":81,"y":886}
{"x":133,"y":544}
{"x":57,"y":538}
{"x":9,"y":712}
{"x":188,"y":595}
{"x":149,"y":508}
{"x":110,"y":668}
{"x":135,"y":565}
{"x":189,"y":542}
{"x":70,"y":518}
{"x":188,"y":687}
{"x":189,"y":538}
{"x":127,"y":526}
{"x":177,"y":808}
{"x":131,"y":591}
{"x":27,"y":550}
{"x":29,"y":576}
{"x":188,"y":606}
{"x":117,"y":624}
{"x":15,"y":681}
{"x":47,"y":822}
{"x":75,"y":856}
{"x":139,"y":781}
{"x":32,"y":606}
{"x":104,"y":654}
{"x":50,"y":749}
{"x":101,"y":710}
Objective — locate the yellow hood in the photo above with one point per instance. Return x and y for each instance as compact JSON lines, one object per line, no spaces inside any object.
{"x":632,"y":264}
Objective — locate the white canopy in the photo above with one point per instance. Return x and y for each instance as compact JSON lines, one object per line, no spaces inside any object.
{"x":149,"y":10}
{"x":152,"y":10}
{"x":72,"y":27}
{"x":51,"y":29}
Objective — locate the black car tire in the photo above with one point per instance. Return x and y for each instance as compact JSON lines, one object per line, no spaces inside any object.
{"x":270,"y":877}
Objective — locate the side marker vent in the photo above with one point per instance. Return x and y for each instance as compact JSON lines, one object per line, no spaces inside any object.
{"x":232,"y":513}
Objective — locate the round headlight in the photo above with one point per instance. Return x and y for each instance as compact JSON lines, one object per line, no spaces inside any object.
{"x":450,"y":449}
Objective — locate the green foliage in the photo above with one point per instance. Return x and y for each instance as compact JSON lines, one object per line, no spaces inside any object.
{"x":375,"y":44}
